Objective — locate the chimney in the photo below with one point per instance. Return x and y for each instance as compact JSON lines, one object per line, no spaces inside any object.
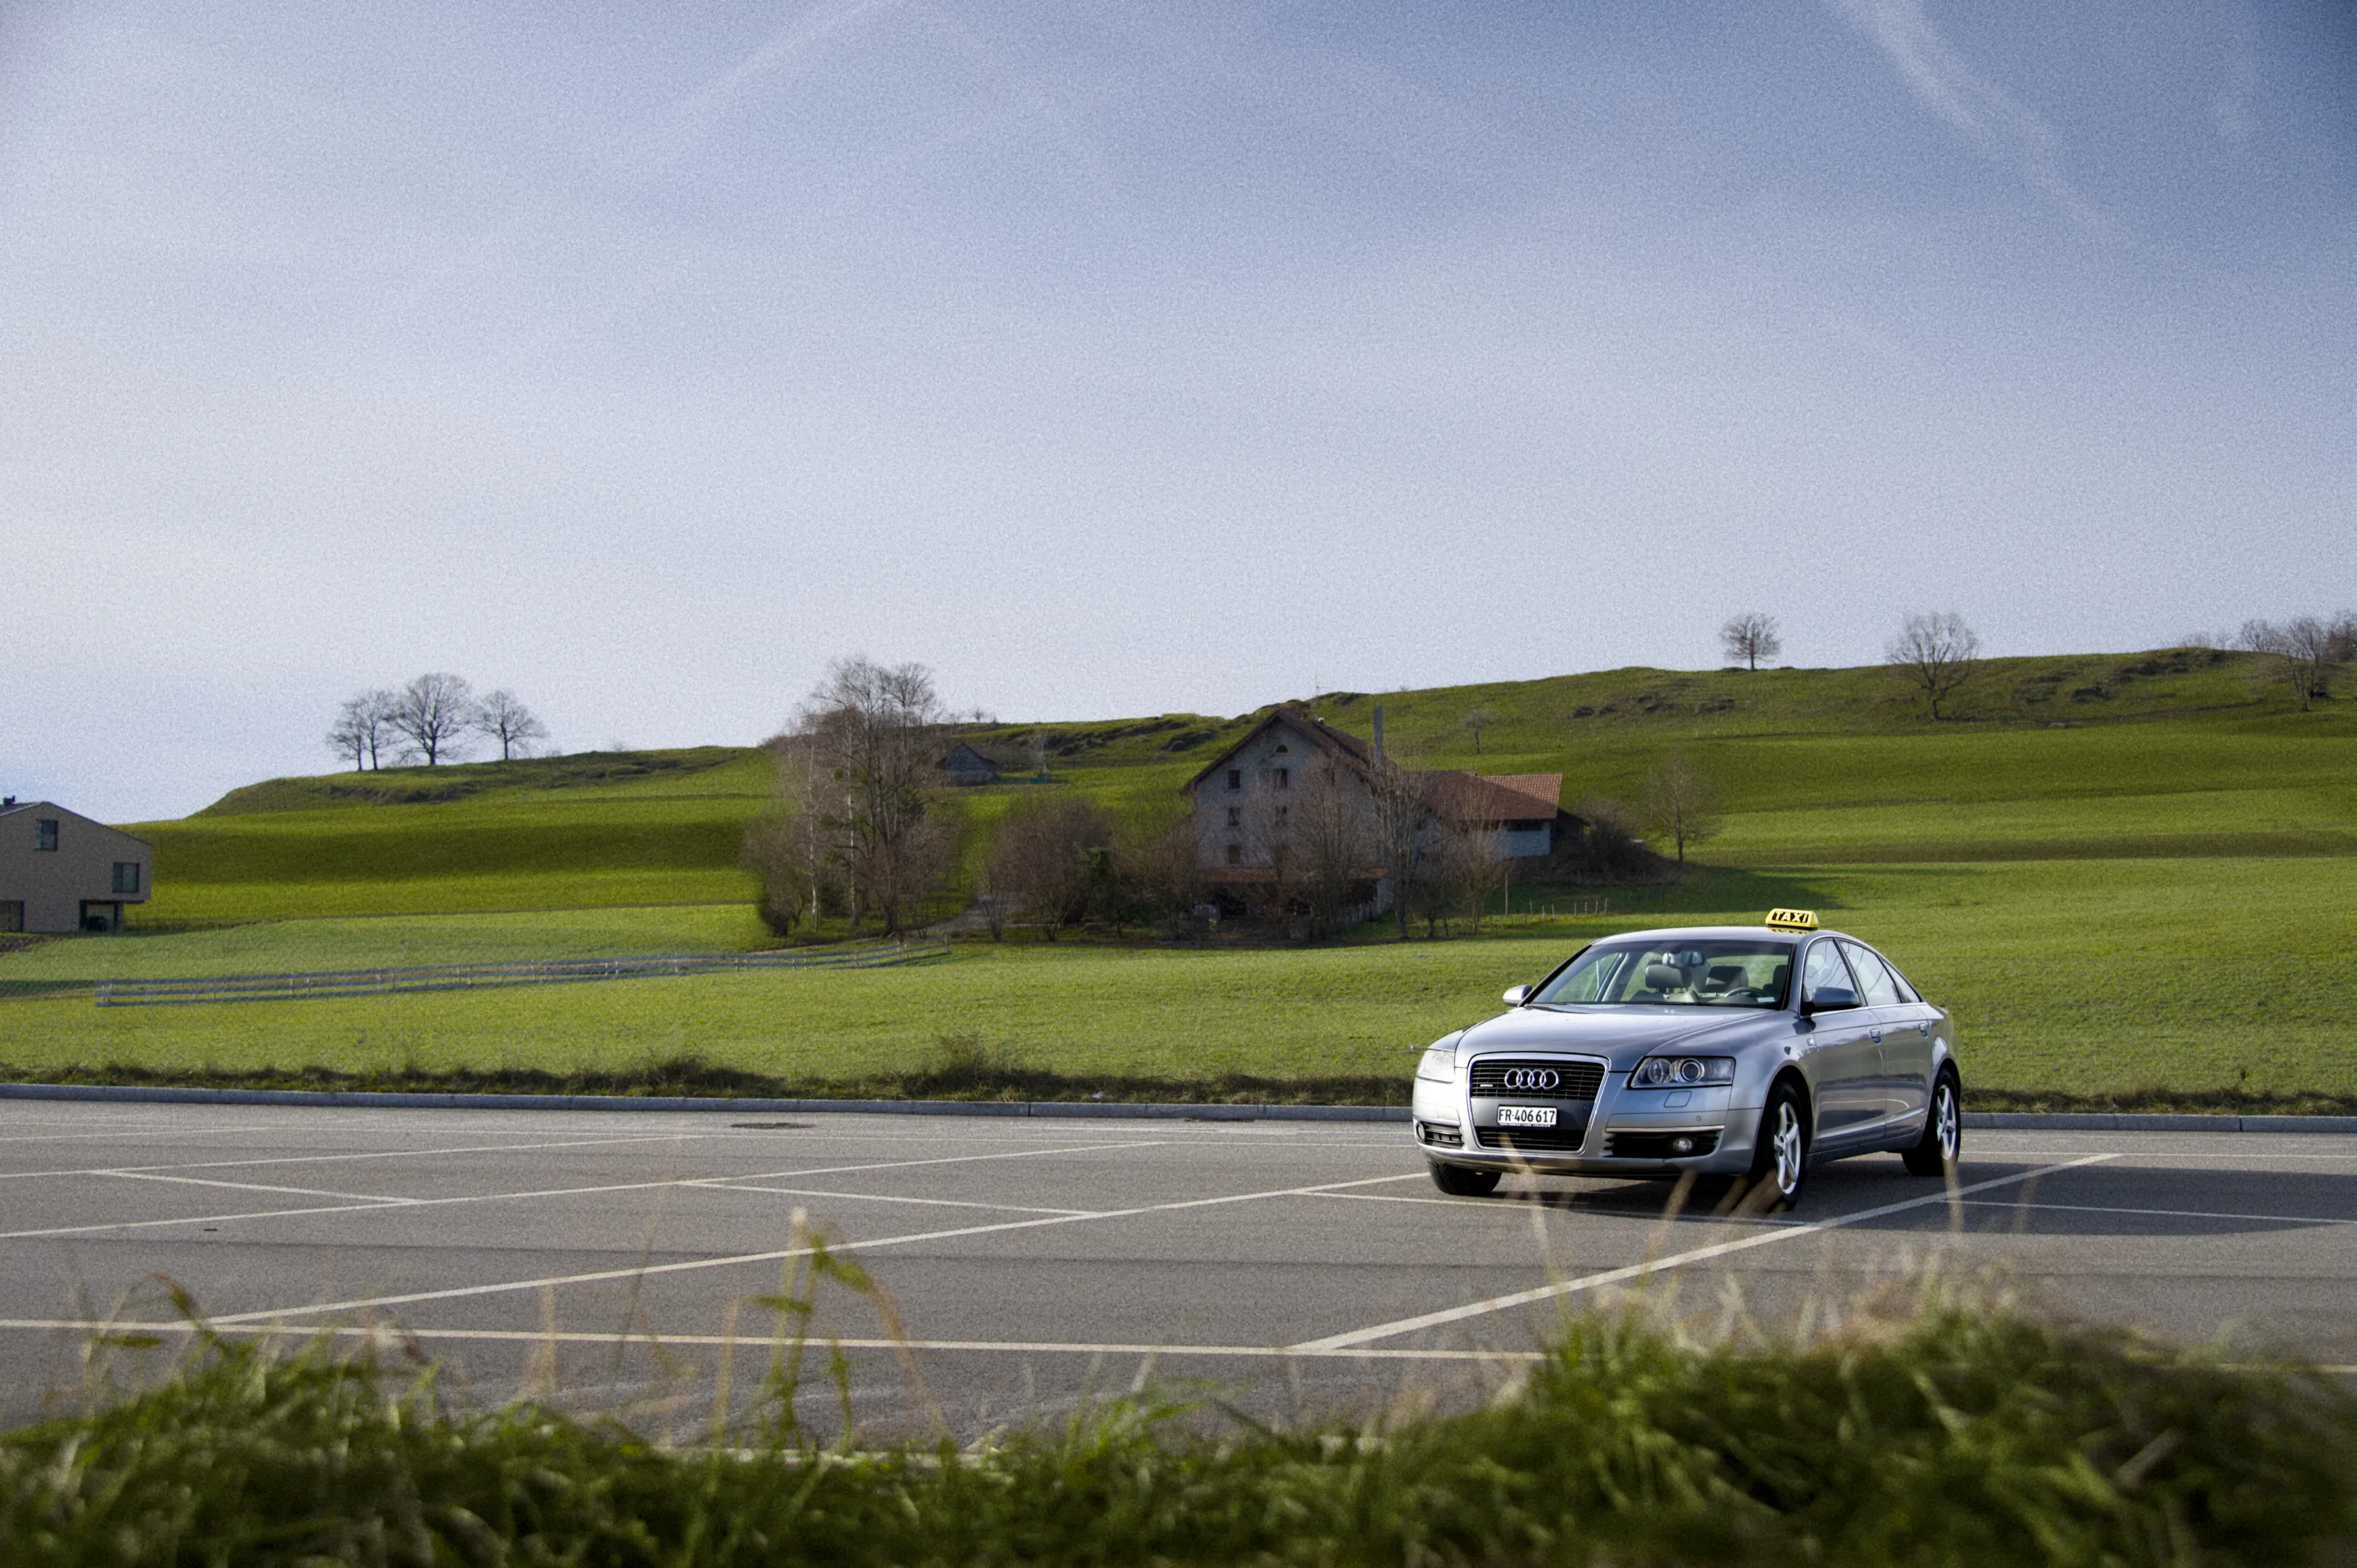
{"x":1378,"y":732}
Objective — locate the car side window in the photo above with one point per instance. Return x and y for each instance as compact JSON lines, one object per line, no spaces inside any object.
{"x":1824,"y":971}
{"x":1879,"y":989}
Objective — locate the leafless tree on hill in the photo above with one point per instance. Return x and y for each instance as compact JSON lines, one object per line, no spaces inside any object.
{"x":363,"y":728}
{"x":506,"y":720}
{"x":1681,"y":801}
{"x":2304,"y":651}
{"x":871,"y":730}
{"x":1477,"y":720}
{"x":1750,"y":637}
{"x":1938,"y":652}
{"x":433,"y":712}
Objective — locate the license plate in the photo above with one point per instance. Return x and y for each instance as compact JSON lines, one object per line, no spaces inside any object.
{"x":1525,"y":1115}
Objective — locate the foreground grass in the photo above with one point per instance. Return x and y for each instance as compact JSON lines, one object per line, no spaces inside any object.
{"x":2074,"y":983}
{"x":1952,"y":1437}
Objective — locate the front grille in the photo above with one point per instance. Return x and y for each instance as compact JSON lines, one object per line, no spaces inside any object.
{"x":1441,"y":1134}
{"x":1579,"y":1080}
{"x":1656,"y":1146}
{"x":1532,"y":1140}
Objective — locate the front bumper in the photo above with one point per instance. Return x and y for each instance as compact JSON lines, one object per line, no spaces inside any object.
{"x":1626,"y":1132}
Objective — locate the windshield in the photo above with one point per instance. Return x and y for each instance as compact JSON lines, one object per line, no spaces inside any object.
{"x":1735,"y":972}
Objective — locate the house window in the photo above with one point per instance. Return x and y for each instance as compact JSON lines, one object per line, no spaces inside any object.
{"x":1235,"y":777}
{"x":1235,"y":855}
{"x":126,"y":876}
{"x":1282,"y":812}
{"x":1235,"y":816}
{"x":45,"y":834}
{"x":1283,"y":751}
{"x":1284,"y":777}
{"x":12,"y":914}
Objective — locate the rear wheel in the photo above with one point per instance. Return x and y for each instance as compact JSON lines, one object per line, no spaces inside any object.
{"x":1780,"y":1157}
{"x":1943,"y":1131}
{"x":1456,"y":1181}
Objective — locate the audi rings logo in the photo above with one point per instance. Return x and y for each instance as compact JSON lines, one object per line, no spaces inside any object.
{"x":1531,"y":1078}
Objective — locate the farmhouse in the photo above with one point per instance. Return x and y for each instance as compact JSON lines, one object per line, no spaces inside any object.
{"x":61,"y":872}
{"x":967,"y":765}
{"x":1295,"y":784}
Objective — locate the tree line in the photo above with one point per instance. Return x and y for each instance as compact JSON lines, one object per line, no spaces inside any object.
{"x":432,"y":719}
{"x":1939,"y":654}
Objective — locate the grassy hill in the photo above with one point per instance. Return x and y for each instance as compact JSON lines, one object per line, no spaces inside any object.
{"x":2121,"y":871}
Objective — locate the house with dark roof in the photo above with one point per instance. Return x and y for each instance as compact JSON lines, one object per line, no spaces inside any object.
{"x":968,"y":765}
{"x":1293,"y":775}
{"x":60,"y":871}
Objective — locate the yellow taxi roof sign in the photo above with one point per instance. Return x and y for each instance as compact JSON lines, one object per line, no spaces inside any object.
{"x":1792,"y":920}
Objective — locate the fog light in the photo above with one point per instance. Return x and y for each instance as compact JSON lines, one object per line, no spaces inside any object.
{"x":1682,"y":1146}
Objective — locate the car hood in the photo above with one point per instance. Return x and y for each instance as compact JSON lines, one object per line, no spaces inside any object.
{"x":1620,"y":1034}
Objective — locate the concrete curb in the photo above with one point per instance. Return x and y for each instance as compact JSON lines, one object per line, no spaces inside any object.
{"x":2142,"y":1122}
{"x":2015,"y":1120}
{"x":370,"y":1099}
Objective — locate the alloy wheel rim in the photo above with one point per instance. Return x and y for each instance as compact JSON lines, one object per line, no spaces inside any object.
{"x":1788,"y":1149}
{"x":1948,"y":1119}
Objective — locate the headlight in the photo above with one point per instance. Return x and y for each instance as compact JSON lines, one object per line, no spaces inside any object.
{"x":1682,"y":1072}
{"x":1439,"y":1064}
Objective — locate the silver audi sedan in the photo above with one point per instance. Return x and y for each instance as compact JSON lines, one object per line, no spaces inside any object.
{"x":1749,"y":1052}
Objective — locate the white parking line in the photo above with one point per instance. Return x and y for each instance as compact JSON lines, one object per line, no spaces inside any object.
{"x":575,"y":1336}
{"x":2167,"y":1213}
{"x":416,"y":1203}
{"x":147,"y":1131}
{"x":1676,"y":1260}
{"x":727,"y":1185}
{"x":335,"y":1159}
{"x":640,"y":1270}
{"x":253,"y":1186}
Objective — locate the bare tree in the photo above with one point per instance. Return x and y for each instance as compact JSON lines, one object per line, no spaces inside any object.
{"x":1681,"y":802}
{"x":775,"y":852}
{"x":435,"y":712}
{"x":363,"y":728}
{"x":1477,"y":720}
{"x":1750,"y":637}
{"x":2303,"y":651}
{"x":1453,"y":872}
{"x":1050,"y":858}
{"x":1397,"y":815}
{"x":500,"y":717}
{"x":1159,"y":866}
{"x":1938,"y":652}
{"x":871,"y":730}
{"x":1331,"y":840}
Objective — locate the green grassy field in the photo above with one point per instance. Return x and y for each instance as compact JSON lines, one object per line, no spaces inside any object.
{"x":2159,"y":895}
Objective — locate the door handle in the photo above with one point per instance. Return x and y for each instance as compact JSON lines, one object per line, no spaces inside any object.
{"x":1877,"y":1036}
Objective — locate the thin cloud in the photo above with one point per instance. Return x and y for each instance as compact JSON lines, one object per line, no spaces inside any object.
{"x":2006,"y":131}
{"x":791,"y":49}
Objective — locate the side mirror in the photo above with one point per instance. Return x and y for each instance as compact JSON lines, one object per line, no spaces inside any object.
{"x":1514,"y":995}
{"x":1829,"y":999}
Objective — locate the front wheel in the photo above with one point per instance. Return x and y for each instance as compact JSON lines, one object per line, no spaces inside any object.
{"x":1458,"y":1181}
{"x":1943,"y":1131}
{"x":1780,"y":1158}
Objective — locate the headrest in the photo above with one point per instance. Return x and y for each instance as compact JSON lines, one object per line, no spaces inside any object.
{"x":1663,"y":977}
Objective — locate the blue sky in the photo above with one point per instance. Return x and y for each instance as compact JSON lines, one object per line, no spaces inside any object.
{"x":1117,"y":359}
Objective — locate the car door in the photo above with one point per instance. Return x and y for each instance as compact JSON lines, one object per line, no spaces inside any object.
{"x":1841,"y":1056}
{"x":1908,"y":1042}
{"x":1893,"y":1028}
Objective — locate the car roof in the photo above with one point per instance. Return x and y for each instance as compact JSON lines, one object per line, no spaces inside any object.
{"x":1723,"y":933}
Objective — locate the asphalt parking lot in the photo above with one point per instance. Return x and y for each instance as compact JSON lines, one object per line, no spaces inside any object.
{"x":616,"y":1261}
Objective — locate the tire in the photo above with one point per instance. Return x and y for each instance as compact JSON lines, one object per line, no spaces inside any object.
{"x":1943,"y":1131}
{"x":1458,"y":1181}
{"x":1780,"y":1155}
